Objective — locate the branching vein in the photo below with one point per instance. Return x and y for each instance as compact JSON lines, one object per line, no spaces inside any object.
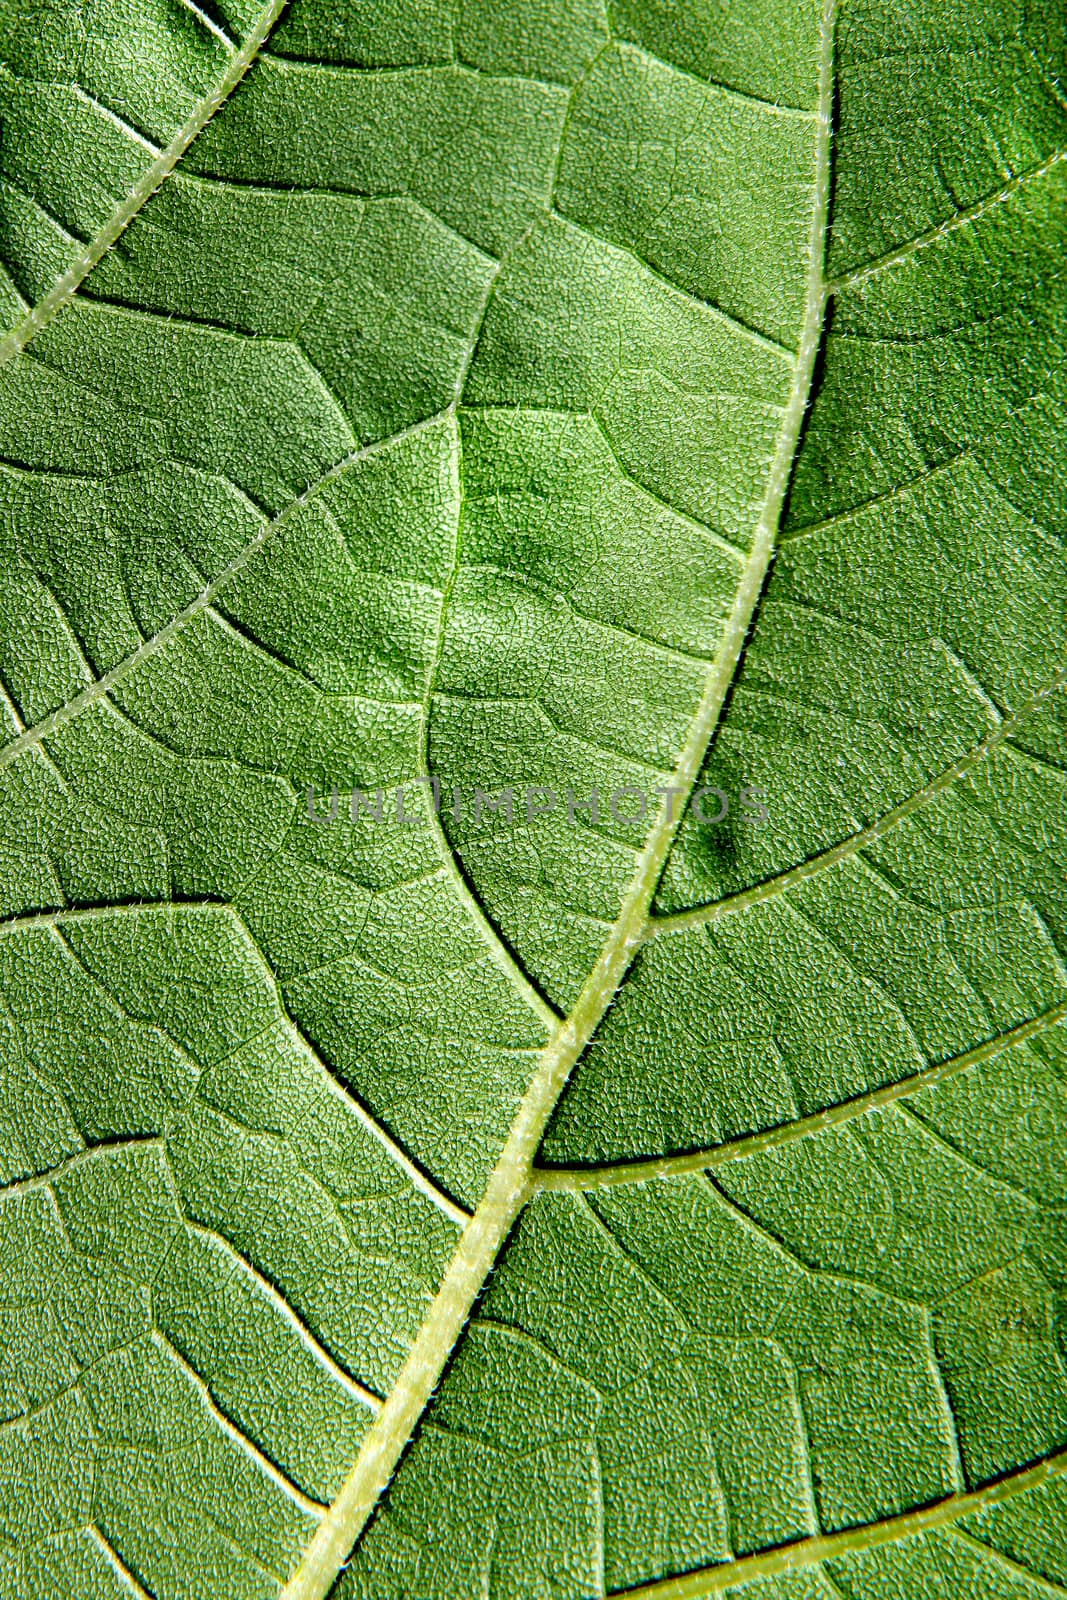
{"x":854,"y":279}
{"x":772,"y":888}
{"x":753,"y":1144}
{"x":807,"y":1553}
{"x":67,"y":286}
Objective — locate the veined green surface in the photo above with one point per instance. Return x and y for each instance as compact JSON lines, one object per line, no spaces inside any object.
{"x":532,"y":392}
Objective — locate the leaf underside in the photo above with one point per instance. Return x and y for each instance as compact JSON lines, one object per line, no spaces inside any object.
{"x":530,"y":393}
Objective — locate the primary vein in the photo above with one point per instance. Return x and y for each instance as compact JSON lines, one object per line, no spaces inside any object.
{"x":511,"y":1181}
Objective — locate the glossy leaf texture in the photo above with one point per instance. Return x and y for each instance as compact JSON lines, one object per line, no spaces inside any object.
{"x":532,"y":394}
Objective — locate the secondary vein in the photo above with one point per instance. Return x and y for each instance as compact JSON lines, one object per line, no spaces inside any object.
{"x":805,"y":1553}
{"x":65,"y":288}
{"x":893,"y":258}
{"x":499,"y":952}
{"x":98,"y":689}
{"x":772,"y":888}
{"x":752,"y":1144}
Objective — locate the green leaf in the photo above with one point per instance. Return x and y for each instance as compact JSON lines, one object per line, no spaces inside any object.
{"x":538,"y":1201}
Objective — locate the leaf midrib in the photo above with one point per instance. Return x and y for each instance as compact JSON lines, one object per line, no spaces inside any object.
{"x":511,"y":1182}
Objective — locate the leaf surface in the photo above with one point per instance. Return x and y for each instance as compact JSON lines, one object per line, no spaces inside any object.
{"x":519,"y":394}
